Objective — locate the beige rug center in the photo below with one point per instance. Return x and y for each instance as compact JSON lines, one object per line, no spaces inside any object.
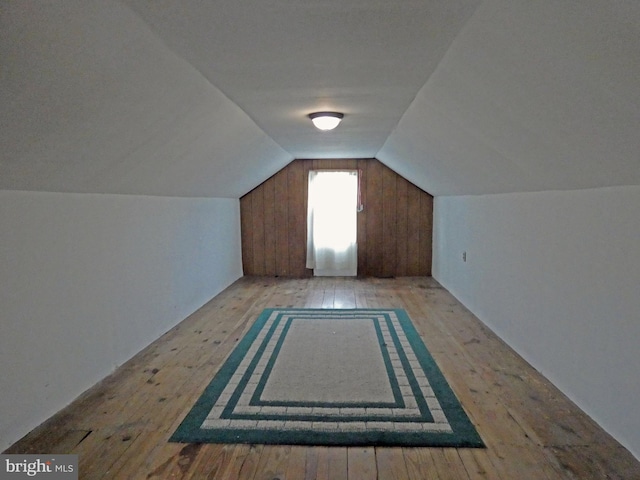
{"x":330,"y":361}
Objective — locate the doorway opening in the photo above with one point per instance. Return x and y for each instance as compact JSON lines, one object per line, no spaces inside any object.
{"x":332,"y":248}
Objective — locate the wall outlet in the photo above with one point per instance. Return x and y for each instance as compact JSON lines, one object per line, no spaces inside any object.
{"x":464,"y":256}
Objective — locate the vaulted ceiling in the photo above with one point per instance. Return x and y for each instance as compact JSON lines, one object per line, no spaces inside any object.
{"x":195,"y":98}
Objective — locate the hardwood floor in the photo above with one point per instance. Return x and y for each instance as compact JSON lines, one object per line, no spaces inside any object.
{"x":120,"y":427}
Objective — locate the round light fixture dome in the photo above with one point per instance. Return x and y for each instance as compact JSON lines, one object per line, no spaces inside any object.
{"x":326,"y":120}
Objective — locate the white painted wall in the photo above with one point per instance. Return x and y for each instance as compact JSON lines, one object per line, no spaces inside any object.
{"x":556,"y":275}
{"x":86,"y":281}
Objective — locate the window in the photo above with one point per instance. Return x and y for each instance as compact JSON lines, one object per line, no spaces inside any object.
{"x":332,"y":223}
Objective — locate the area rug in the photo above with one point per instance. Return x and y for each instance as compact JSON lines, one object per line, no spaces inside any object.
{"x":329,"y":377}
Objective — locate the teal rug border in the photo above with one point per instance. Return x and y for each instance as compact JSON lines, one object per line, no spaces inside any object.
{"x":464,"y":433}
{"x":399,"y":400}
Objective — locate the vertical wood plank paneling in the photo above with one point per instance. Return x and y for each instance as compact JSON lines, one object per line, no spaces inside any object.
{"x":426,"y":233}
{"x":257,"y":207}
{"x":282,"y":223}
{"x":401,"y":227}
{"x":246,"y":235}
{"x":362,"y":218}
{"x":429,"y":238}
{"x":352,"y":164}
{"x":413,"y":231}
{"x":389,"y":222}
{"x":394,"y":229}
{"x":374,"y":219}
{"x":304,"y":201}
{"x":269,"y":227}
{"x":297,"y":218}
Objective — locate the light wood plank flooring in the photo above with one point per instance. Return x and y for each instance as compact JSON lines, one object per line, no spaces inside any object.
{"x":120,"y":427}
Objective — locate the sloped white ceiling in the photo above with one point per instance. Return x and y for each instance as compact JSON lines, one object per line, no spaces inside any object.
{"x":200,"y":98}
{"x":530,"y":96}
{"x":280,"y":60}
{"x":92,"y":101}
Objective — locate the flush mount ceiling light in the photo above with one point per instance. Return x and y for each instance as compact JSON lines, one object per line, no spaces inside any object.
{"x":326,"y":120}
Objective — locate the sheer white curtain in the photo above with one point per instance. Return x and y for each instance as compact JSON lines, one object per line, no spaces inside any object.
{"x":332,"y":223}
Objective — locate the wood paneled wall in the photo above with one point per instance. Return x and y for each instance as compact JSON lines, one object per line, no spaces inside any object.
{"x":394,"y":229}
